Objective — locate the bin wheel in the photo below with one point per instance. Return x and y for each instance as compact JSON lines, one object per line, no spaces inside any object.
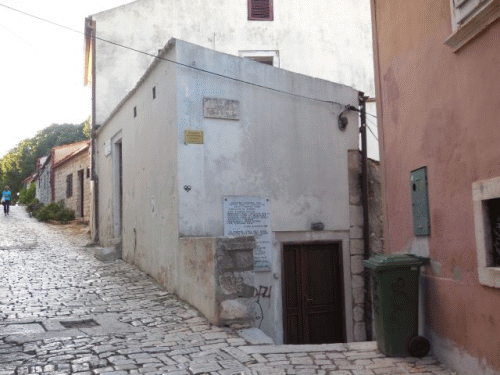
{"x":419,"y":346}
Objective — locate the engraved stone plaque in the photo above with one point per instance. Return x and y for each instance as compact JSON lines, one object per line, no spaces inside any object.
{"x":193,"y":137}
{"x":221,"y":108}
{"x":247,"y":216}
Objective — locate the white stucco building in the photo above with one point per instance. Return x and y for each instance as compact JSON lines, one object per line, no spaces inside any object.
{"x":202,"y":128}
{"x":330,"y":40}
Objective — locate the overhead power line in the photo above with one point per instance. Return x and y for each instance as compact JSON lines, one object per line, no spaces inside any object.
{"x":370,"y":129}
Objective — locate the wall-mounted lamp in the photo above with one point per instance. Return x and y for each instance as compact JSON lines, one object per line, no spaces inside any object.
{"x":342,"y":120}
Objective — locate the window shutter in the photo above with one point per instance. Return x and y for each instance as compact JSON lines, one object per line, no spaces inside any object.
{"x":261,"y":10}
{"x":465,"y":8}
{"x":69,"y":185}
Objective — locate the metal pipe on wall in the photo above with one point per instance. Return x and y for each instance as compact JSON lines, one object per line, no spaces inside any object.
{"x":366,"y":221}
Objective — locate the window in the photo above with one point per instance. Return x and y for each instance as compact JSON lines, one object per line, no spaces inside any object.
{"x":469,"y":18}
{"x":260,"y":10}
{"x":486,"y":200}
{"x":135,"y":111}
{"x":493,"y":219}
{"x":88,"y":172}
{"x":69,"y":185}
{"x":265,"y":57}
{"x":154,"y":92}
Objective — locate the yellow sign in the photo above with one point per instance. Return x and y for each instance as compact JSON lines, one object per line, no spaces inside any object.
{"x":193,"y":137}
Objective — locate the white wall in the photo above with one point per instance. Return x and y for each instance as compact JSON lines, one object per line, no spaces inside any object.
{"x":150,"y":210}
{"x":285,"y":148}
{"x":325,"y":39}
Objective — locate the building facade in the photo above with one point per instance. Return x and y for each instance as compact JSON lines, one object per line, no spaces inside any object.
{"x":437,"y":80}
{"x":43,"y":189}
{"x":208,"y":141}
{"x":331,"y":41}
{"x":71,"y":180}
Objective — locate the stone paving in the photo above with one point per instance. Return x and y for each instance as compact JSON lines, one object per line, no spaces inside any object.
{"x":64,"y":312}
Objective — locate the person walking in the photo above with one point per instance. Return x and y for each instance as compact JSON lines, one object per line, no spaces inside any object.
{"x":6,"y":196}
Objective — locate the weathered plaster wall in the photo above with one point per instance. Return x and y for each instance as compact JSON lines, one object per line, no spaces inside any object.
{"x":78,"y":163}
{"x":43,"y":192}
{"x":283,"y":147}
{"x":440,"y":109}
{"x":326,"y":40}
{"x":150,"y":200}
{"x":215,"y":276}
{"x":196,"y":274}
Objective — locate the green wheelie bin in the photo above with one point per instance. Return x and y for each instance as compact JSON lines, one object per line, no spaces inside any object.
{"x":395,"y":284}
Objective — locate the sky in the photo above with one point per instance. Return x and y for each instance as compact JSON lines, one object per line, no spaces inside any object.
{"x":41,"y":66}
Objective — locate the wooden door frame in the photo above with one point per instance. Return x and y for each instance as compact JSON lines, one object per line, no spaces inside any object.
{"x":338,"y":242}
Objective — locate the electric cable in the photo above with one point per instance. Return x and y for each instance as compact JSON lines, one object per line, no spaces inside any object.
{"x":369,"y":128}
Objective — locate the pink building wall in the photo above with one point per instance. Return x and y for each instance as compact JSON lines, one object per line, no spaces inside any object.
{"x":441,"y":109}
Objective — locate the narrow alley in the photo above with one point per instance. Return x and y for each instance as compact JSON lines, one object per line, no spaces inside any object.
{"x":64,"y":312}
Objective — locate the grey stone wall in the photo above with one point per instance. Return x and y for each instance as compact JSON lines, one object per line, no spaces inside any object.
{"x":79,"y":162}
{"x":375,"y":209}
{"x":234,"y":280}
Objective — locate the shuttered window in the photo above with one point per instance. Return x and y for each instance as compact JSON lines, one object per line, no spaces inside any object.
{"x":469,"y":19}
{"x":260,"y":10}
{"x":69,"y":185}
{"x":465,"y":8}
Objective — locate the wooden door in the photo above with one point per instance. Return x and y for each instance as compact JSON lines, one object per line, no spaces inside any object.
{"x":313,"y":294}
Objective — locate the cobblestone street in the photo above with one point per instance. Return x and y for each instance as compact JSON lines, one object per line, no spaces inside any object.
{"x":64,"y":312}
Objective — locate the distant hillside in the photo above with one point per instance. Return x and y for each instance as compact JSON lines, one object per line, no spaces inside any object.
{"x":20,"y":162}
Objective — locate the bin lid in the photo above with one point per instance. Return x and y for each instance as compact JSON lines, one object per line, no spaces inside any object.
{"x":383,"y":262}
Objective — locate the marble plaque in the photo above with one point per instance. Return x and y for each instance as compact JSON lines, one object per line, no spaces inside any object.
{"x":248,"y":216}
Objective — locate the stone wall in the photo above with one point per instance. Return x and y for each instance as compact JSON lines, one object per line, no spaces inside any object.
{"x":215,"y":275}
{"x":72,"y":166}
{"x":375,"y":209}
{"x":235,"y":280}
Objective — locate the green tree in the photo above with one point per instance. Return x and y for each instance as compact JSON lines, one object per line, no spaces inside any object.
{"x":21,"y":161}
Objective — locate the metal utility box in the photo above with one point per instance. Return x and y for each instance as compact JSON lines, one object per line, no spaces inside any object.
{"x":420,"y":202}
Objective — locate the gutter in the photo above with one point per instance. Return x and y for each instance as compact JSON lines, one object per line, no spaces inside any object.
{"x":90,"y":31}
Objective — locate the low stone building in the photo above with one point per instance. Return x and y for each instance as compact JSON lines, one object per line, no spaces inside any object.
{"x":70,"y":178}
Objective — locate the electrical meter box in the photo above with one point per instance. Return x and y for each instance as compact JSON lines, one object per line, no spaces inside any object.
{"x":420,"y":202}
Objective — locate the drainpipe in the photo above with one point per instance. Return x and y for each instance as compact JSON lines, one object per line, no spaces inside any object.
{"x":366,"y":221}
{"x":94,"y":177}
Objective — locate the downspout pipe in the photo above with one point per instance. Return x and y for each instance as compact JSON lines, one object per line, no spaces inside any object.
{"x":94,"y":177}
{"x":366,"y":221}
